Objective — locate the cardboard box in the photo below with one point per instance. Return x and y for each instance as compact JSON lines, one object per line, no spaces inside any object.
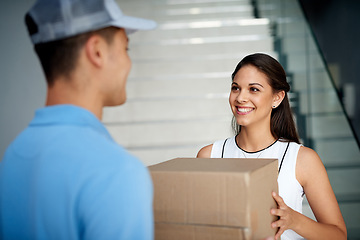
{"x":214,"y":198}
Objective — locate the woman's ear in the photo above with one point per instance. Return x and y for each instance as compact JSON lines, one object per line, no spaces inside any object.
{"x":278,"y":97}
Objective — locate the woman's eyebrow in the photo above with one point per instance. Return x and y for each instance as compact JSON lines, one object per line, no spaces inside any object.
{"x":252,"y":84}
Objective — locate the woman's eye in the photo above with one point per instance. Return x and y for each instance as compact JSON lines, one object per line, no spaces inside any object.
{"x":234,"y":88}
{"x":253,"y":89}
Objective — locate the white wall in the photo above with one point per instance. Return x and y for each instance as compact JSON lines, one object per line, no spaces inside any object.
{"x":22,"y":85}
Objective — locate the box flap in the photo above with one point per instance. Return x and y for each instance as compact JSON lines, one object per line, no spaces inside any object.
{"x":211,"y":165}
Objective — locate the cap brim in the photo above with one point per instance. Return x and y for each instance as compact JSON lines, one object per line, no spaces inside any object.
{"x":133,"y":24}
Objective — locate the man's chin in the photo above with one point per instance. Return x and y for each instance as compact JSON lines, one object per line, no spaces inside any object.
{"x":118,"y":102}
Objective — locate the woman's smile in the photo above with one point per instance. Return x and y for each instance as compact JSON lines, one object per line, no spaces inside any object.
{"x":244,"y":110}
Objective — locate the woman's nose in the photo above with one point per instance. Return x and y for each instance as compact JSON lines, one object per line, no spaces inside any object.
{"x":242,"y":97}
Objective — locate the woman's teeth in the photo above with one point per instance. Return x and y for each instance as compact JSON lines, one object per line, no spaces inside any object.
{"x":244,"y":110}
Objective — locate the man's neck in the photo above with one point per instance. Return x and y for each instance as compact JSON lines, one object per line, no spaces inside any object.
{"x":63,"y":92}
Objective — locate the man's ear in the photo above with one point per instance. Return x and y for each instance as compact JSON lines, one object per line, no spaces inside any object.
{"x":95,"y":49}
{"x":278,"y":97}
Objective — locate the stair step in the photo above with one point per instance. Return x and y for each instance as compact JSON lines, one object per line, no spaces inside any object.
{"x":174,"y":2}
{"x":162,"y":13}
{"x":280,"y":9}
{"x":351,"y":214}
{"x":142,"y":69}
{"x":345,"y":182}
{"x":208,"y":85}
{"x":319,"y":101}
{"x":304,"y":61}
{"x":337,"y":152}
{"x":298,"y":43}
{"x":133,"y":4}
{"x":162,"y":134}
{"x":289,"y":26}
{"x":348,"y":197}
{"x":204,"y":28}
{"x":236,"y":56}
{"x":198,"y":47}
{"x":139,"y":7}
{"x":182,"y":2}
{"x":313,"y":80}
{"x":169,"y":110}
{"x":327,"y":126}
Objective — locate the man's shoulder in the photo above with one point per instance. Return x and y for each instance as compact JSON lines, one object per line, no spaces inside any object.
{"x":103,"y":152}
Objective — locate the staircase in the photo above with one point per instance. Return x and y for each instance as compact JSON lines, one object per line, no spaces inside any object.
{"x":180,"y":81}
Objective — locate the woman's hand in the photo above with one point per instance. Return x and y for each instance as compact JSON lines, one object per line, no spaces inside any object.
{"x":286,"y":216}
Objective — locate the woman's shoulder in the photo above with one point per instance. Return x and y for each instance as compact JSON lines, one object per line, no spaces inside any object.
{"x":308,"y":164}
{"x":205,"y":152}
{"x":307,"y":155}
{"x":215,"y":149}
{"x":307,"y":158}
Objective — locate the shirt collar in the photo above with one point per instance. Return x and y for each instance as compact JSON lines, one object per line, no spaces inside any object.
{"x":68,"y":115}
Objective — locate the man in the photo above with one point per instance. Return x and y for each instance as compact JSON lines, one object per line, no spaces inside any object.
{"x":64,"y":177}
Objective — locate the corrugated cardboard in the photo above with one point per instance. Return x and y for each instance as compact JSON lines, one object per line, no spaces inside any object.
{"x":168,"y":231}
{"x":208,"y":198}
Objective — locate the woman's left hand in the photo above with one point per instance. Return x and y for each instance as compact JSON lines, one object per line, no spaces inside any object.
{"x":286,"y":216}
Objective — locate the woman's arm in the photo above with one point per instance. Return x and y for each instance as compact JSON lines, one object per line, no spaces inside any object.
{"x":311,"y":174}
{"x":205,"y":152}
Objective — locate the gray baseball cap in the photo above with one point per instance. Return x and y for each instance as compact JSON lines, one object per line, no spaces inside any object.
{"x":50,"y":20}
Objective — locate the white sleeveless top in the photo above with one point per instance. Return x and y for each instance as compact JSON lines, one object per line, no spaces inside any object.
{"x":286,"y":152}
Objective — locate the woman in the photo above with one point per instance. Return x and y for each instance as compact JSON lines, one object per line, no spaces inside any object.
{"x":265,"y":129}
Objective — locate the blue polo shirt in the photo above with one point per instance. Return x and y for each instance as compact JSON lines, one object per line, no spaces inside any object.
{"x":64,"y":177}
